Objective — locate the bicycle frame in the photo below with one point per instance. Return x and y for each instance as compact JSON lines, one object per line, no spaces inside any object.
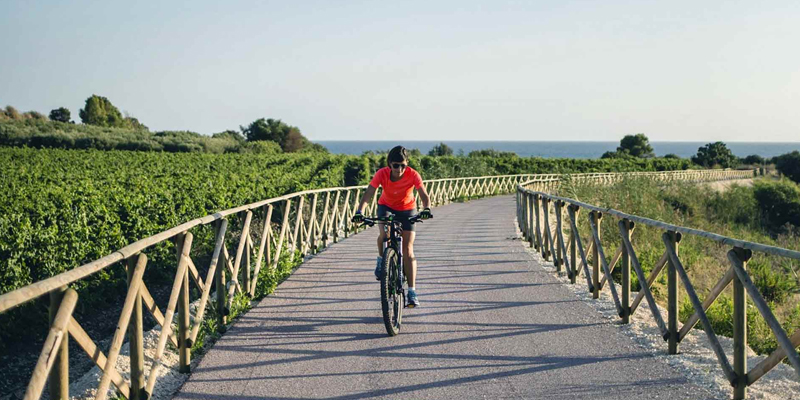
{"x":394,"y":236}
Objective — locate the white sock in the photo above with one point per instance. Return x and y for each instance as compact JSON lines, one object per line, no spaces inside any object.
{"x":412,"y":288}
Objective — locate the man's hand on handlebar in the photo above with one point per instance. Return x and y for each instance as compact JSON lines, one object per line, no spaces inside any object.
{"x":426,"y":214}
{"x":358,"y":218}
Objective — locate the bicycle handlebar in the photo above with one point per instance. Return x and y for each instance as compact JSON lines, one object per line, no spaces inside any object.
{"x":373,"y":220}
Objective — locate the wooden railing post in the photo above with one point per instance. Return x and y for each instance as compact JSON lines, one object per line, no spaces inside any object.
{"x":136,"y":339}
{"x":184,"y":244}
{"x":219,"y":282}
{"x":48,"y":358}
{"x":520,"y":206}
{"x":59,"y":375}
{"x":335,"y":220}
{"x":547,"y":239}
{"x":312,"y":226}
{"x":526,"y":214}
{"x":559,"y":238}
{"x":531,"y":227}
{"x":596,"y":217}
{"x":539,"y":245}
{"x":672,"y":298}
{"x":525,"y":197}
{"x":626,"y":275}
{"x":298,"y":219}
{"x":573,"y":244}
{"x":740,"y":329}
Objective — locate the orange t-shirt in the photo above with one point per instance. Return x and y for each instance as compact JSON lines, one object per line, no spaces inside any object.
{"x":398,"y":196}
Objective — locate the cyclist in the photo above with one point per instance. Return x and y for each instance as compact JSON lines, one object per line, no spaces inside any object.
{"x":398,"y":181}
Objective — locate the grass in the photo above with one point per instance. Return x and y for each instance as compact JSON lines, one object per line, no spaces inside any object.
{"x":734,"y":213}
{"x":268,"y":280}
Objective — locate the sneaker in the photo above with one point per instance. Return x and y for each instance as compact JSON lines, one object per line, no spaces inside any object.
{"x":412,"y":299}
{"x":378,"y":268}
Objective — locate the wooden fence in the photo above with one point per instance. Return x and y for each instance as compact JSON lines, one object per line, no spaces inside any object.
{"x":304,"y":223}
{"x":536,"y":206}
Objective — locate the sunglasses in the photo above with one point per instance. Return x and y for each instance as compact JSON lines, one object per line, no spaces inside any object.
{"x":398,"y":166}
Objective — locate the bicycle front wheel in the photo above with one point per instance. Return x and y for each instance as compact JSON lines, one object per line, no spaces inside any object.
{"x":391,"y":294}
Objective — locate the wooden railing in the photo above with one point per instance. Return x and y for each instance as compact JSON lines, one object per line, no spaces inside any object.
{"x":309,"y":221}
{"x":536,"y":205}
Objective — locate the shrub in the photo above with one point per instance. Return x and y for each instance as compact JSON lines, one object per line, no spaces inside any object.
{"x":261,"y":147}
{"x":60,"y":114}
{"x":789,"y":165}
{"x":35,"y":115}
{"x":779,"y":202}
{"x":12,"y":113}
{"x":753,"y":159}
{"x":773,"y":285}
{"x":737,"y":205}
{"x":441,"y":149}
{"x":491,"y":153}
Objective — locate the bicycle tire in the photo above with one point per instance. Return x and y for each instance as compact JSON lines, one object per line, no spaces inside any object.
{"x":391,"y":298}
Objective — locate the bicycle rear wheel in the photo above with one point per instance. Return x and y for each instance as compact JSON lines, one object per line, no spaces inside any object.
{"x":391,"y":295}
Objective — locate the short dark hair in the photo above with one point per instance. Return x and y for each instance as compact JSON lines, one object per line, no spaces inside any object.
{"x":397,"y":154}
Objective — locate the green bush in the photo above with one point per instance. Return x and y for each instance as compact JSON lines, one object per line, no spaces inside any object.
{"x":736,"y":205}
{"x":753,"y":159}
{"x":780,"y":203}
{"x":773,"y":285}
{"x":759,"y":336}
{"x":789,"y":165}
{"x":261,"y":147}
{"x":441,"y":149}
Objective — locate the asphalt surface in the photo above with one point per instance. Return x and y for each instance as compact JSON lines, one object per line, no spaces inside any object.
{"x":493,"y":324}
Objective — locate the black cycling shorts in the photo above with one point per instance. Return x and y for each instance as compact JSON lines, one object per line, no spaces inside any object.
{"x":402,"y":216}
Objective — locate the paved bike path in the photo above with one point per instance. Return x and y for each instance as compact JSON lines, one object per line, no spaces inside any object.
{"x":493,"y":324}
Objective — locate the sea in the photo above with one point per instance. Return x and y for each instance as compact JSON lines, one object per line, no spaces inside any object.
{"x":559,"y":149}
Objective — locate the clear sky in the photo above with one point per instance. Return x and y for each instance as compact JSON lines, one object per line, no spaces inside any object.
{"x":419,"y":70}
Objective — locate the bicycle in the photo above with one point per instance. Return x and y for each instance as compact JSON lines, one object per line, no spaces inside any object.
{"x":393,"y":292}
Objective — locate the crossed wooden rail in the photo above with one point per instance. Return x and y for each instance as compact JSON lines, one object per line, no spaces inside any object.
{"x":309,"y":220}
{"x":533,"y":214}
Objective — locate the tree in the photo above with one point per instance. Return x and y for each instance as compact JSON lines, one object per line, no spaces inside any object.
{"x":294,"y":141}
{"x":288,"y":137}
{"x":672,"y":156}
{"x":636,"y":145}
{"x":789,"y":165}
{"x":713,"y":154}
{"x":131,"y":122}
{"x":99,"y":111}
{"x":441,"y":149}
{"x":60,"y":114}
{"x":753,"y":159}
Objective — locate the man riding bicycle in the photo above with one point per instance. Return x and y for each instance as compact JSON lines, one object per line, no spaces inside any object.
{"x":398,"y":181}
